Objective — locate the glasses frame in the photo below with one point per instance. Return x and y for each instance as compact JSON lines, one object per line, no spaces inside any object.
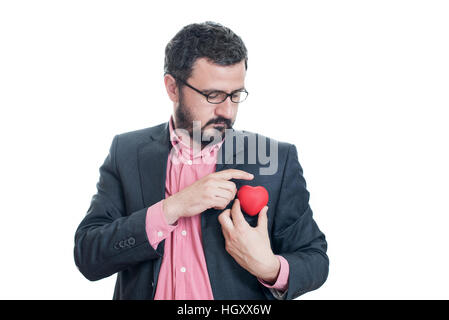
{"x":206,"y":95}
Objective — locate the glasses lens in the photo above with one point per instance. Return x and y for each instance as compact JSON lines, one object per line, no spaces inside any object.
{"x":239,"y":96}
{"x":219,"y":97}
{"x":216,"y":97}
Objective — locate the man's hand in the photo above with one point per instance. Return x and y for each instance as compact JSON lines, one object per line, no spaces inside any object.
{"x":212,"y":191}
{"x":250,"y":247}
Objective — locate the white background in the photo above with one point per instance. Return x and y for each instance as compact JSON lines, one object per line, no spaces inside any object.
{"x":360,"y":87}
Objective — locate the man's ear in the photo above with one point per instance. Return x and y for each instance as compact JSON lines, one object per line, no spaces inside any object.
{"x":171,"y":87}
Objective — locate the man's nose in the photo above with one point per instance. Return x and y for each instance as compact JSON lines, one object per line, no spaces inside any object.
{"x":225,"y":109}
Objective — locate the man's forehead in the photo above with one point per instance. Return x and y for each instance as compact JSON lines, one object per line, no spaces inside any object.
{"x":212,"y":76}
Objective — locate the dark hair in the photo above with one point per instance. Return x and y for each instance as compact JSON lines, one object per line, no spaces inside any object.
{"x":208,"y":40}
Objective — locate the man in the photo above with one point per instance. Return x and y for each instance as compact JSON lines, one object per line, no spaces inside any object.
{"x":166,"y":217}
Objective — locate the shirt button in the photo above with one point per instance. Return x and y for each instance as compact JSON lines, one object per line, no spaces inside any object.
{"x":160,"y":234}
{"x":184,"y":233}
{"x":189,"y":162}
{"x":183,"y":269}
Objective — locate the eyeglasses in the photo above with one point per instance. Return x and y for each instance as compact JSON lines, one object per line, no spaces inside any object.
{"x":217,"y":97}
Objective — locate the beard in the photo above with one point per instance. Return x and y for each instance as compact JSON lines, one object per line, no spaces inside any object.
{"x":185,"y":120}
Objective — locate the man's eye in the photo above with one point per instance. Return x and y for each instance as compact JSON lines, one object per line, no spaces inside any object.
{"x":214,"y":95}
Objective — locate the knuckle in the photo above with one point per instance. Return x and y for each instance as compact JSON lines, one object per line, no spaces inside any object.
{"x":233,"y":239}
{"x":228,"y":247}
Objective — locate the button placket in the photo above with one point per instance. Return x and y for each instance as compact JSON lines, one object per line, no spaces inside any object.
{"x":182,"y":246}
{"x":178,"y":260}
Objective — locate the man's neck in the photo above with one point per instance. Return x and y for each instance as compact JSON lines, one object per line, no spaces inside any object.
{"x":194,"y":142}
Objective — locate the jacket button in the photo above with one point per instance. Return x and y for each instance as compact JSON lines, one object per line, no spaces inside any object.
{"x":131,"y":241}
{"x":121,"y":244}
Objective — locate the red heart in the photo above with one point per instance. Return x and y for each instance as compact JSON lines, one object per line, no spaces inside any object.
{"x":252,"y":199}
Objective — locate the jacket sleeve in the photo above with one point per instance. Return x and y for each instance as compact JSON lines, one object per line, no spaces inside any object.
{"x":295,"y":234}
{"x":108,"y":239}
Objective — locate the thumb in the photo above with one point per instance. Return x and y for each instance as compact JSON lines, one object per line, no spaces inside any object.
{"x":262,"y":221}
{"x":225,"y":219}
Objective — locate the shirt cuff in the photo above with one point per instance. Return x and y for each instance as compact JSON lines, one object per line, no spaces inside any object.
{"x":156,"y":225}
{"x":281,"y":283}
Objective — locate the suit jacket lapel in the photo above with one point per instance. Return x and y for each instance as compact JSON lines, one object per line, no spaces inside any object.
{"x":152,"y":158}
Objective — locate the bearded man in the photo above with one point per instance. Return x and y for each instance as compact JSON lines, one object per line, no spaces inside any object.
{"x":166,"y":218}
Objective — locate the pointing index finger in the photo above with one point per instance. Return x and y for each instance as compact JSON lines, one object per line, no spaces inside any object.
{"x":229,"y":174}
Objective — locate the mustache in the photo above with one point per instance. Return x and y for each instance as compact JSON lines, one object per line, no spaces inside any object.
{"x":226,"y":122}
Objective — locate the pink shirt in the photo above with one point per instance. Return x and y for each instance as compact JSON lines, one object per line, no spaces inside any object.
{"x":183,"y":274}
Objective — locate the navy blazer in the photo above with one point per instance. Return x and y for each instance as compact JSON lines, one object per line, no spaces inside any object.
{"x":112,"y":238}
